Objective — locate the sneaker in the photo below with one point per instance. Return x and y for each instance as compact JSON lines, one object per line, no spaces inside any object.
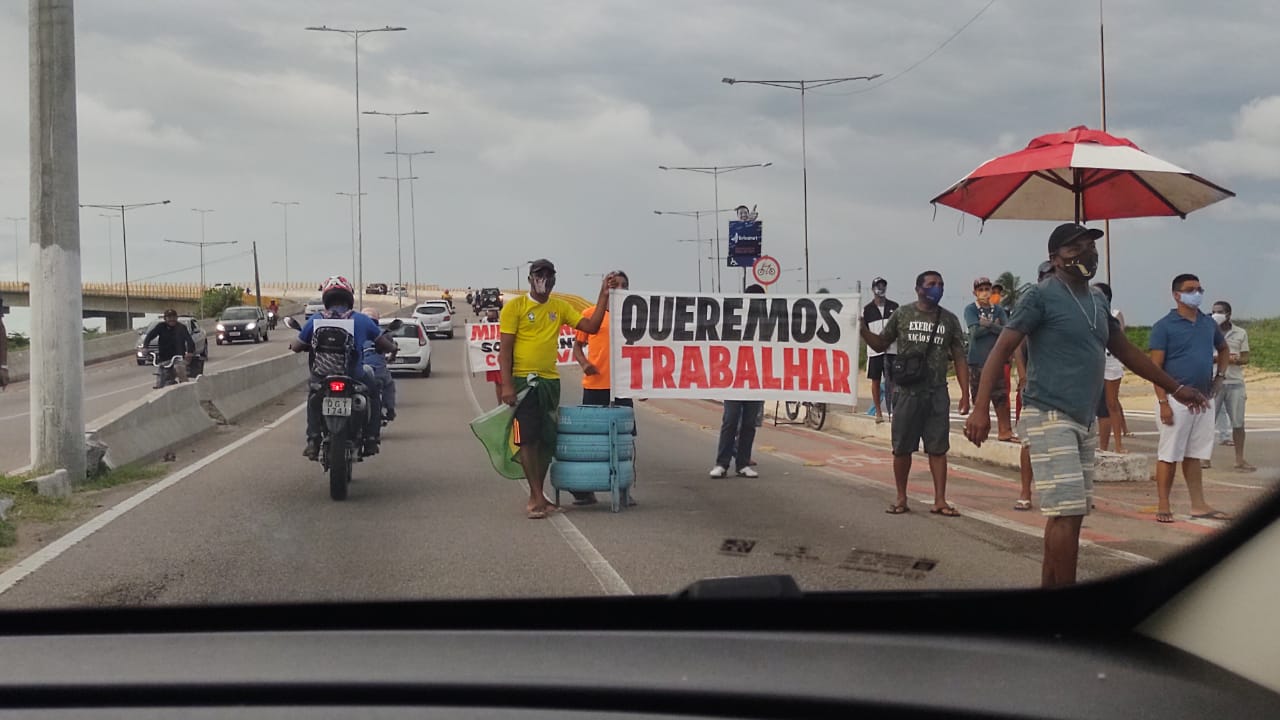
{"x":370,"y":446}
{"x":312,"y":450}
{"x":748,"y":472}
{"x":718,"y":471}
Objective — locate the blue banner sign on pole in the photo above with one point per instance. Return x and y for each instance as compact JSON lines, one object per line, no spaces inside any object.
{"x":746,"y":240}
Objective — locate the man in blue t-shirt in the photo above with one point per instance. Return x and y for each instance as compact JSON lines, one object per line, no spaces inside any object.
{"x":985,"y":320}
{"x":377,"y":362}
{"x":1068,"y":327}
{"x":1183,"y":343}
{"x":339,"y":297}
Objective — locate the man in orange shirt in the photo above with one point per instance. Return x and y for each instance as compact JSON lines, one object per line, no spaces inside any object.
{"x":595,"y":373}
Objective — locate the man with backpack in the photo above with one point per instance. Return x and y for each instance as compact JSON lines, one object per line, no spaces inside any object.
{"x":336,"y":351}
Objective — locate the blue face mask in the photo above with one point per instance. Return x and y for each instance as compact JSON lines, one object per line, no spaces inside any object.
{"x":1191,"y":299}
{"x":934,"y":294}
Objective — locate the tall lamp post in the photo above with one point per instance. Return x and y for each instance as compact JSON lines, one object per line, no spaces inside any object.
{"x":715,"y":171}
{"x":202,"y":245}
{"x":284,"y":204}
{"x":16,"y":263}
{"x":413,"y":217}
{"x":697,"y":220}
{"x":399,"y":246}
{"x":355,"y":34}
{"x":802,"y":86}
{"x":395,"y":122}
{"x":352,"y":198}
{"x":124,"y":242}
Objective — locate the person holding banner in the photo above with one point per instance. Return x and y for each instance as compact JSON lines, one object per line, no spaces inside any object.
{"x":738,"y":429}
{"x":493,"y":376}
{"x":928,"y":338}
{"x":529,"y":347}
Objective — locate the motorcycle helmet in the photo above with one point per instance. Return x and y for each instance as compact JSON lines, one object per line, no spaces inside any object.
{"x":337,"y":290}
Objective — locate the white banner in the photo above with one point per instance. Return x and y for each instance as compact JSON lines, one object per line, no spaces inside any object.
{"x":734,"y":347}
{"x":483,"y":340}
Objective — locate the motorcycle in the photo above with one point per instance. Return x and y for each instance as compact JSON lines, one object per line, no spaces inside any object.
{"x":271,"y":320}
{"x":344,"y":407}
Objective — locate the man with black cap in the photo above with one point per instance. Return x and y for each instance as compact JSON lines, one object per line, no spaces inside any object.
{"x":529,"y":346}
{"x":875,"y":315}
{"x":1069,"y":326}
{"x":174,"y":338}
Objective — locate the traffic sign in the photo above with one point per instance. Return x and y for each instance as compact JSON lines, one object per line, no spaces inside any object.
{"x":766,"y":270}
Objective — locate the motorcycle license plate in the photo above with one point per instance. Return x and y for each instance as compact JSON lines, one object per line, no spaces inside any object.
{"x":336,"y":406}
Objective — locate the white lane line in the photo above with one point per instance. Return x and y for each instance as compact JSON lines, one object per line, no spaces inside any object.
{"x":50,"y":552}
{"x":604,"y":573}
{"x":91,"y":397}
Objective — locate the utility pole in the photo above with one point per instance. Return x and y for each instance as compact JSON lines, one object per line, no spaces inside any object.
{"x":57,"y":345}
{"x":257,"y":281}
{"x":124,"y":245}
{"x":1102,"y":57}
{"x":285,"y":205}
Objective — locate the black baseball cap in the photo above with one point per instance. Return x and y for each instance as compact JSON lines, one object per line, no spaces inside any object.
{"x":879,"y":281}
{"x":1067,"y":233}
{"x":543,"y":264}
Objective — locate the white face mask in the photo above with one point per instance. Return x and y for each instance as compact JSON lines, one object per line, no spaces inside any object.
{"x":1219,"y":318}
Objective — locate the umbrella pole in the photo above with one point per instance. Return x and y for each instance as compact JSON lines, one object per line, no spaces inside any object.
{"x":1102,"y":57}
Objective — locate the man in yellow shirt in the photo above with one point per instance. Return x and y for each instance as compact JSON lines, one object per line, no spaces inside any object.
{"x":594,"y":362}
{"x":530,"y":343}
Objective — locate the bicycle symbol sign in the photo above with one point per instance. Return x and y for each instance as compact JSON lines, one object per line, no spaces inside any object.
{"x":766,"y":270}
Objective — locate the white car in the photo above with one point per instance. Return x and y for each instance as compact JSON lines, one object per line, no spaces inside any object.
{"x":314,"y":305}
{"x":436,"y":316}
{"x":415,"y":347}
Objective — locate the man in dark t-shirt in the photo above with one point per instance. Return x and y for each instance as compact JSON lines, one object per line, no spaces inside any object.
{"x":876,"y":314}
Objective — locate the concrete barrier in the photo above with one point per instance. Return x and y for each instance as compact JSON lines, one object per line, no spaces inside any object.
{"x":144,"y":428}
{"x":227,"y":395}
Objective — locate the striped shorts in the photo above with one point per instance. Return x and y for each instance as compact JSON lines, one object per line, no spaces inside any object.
{"x":1063,"y":459}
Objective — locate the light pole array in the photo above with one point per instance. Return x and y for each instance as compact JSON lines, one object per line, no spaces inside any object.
{"x":124,"y":242}
{"x":413,"y":217}
{"x":355,"y":34}
{"x":697,"y":220}
{"x":715,"y":171}
{"x":202,"y":245}
{"x":802,"y":86}
{"x":395,"y":122}
{"x":352,"y":198}
{"x":284,"y":205}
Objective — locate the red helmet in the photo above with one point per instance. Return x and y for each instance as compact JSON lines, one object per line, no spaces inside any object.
{"x":337,"y":290}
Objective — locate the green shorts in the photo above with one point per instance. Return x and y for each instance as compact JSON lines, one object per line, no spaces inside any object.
{"x":922,"y":414}
{"x":538,"y":414}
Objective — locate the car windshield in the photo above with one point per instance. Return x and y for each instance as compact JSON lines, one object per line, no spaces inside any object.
{"x":768,"y":298}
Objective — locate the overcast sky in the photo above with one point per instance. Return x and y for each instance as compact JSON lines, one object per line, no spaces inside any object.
{"x":549,"y":120}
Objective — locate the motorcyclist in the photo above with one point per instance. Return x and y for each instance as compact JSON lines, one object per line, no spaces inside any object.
{"x":378,"y":362}
{"x":172,"y":337}
{"x":273,"y":314}
{"x":338,"y":297}
{"x":448,"y":297}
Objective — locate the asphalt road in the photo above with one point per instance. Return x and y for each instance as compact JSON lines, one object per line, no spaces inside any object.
{"x":428,"y":518}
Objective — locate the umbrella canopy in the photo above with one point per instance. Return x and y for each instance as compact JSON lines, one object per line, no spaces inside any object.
{"x":1080,"y":175}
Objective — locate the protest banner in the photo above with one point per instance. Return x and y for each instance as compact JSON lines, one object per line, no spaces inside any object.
{"x":483,"y":341}
{"x":734,"y":347}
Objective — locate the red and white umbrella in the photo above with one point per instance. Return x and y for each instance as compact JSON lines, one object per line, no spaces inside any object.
{"x":1080,"y":175}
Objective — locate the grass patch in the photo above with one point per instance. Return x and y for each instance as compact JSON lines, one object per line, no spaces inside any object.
{"x":27,"y":505}
{"x":123,"y":475}
{"x":8,"y":534}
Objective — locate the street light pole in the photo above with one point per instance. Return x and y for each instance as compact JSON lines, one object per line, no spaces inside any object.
{"x":802,"y":86}
{"x":352,"y":198}
{"x":395,"y":122}
{"x":124,"y":243}
{"x":202,"y":244}
{"x":716,"y":171}
{"x":697,"y":220}
{"x":355,"y":35}
{"x":413,"y":218}
{"x":16,"y":263}
{"x":285,"y":205}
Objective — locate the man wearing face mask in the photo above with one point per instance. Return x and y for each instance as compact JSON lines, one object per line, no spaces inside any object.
{"x":876,"y":314}
{"x":985,"y":320}
{"x":929,"y":338}
{"x":529,"y":329}
{"x":1183,"y":343}
{"x":1231,"y":397}
{"x":1067,"y":326}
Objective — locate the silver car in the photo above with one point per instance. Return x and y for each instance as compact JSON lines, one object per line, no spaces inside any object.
{"x":143,"y":354}
{"x":436,"y":317}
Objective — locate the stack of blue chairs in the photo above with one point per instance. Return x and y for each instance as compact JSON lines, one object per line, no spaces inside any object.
{"x":595,"y":452}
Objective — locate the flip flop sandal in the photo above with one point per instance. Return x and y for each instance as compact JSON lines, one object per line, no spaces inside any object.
{"x":898,"y":509}
{"x":1215,"y":515}
{"x":1022,"y":505}
{"x":537,"y":515}
{"x":947,"y":511}
{"x":1164,"y":517}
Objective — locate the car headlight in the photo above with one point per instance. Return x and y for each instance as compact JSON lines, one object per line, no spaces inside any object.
{"x":250,"y":326}
{"x":220,"y":327}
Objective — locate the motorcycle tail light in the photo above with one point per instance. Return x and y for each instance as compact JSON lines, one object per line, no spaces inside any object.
{"x":337,"y":386}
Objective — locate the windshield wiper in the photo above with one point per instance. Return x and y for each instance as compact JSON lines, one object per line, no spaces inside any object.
{"x":746,"y":587}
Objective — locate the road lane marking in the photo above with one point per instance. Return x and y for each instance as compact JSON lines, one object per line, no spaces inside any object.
{"x":606,"y":576}
{"x":50,"y":552}
{"x":91,"y":397}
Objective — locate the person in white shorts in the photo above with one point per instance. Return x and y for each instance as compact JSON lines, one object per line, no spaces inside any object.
{"x":1183,"y":343}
